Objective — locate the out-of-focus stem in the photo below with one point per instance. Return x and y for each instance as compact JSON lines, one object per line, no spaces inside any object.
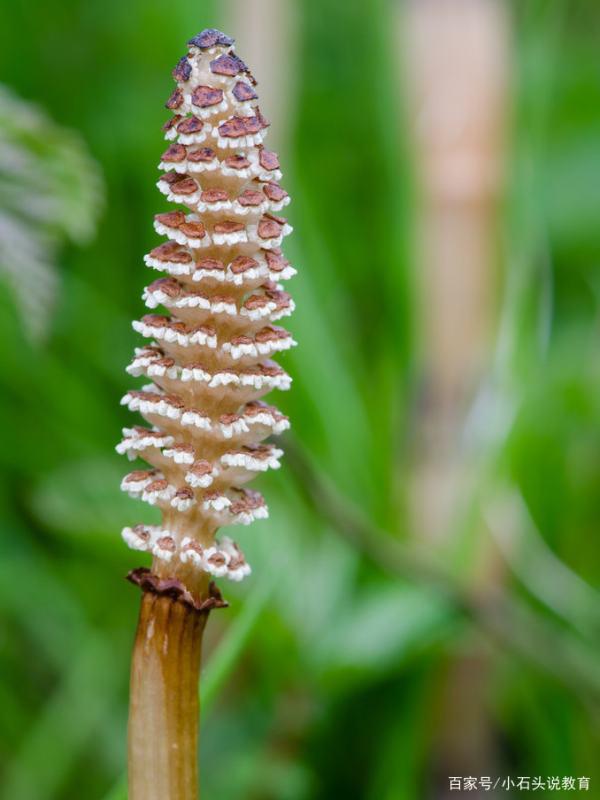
{"x":458,"y":68}
{"x":269,"y":29}
{"x":164,"y":707}
{"x":458,"y":65}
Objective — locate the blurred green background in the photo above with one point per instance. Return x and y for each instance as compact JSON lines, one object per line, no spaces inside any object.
{"x":363,"y":658}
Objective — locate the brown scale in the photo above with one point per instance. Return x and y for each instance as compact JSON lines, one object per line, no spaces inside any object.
{"x":251,"y":197}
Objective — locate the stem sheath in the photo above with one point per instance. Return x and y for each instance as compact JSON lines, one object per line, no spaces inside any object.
{"x":164,"y":707}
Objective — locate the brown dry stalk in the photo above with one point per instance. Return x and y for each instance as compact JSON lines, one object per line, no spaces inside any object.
{"x":163,"y":730}
{"x":208,"y":366}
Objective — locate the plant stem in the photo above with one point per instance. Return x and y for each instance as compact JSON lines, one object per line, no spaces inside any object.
{"x":164,"y":707}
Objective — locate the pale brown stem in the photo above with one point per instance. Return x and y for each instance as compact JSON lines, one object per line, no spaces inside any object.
{"x":457,"y":62}
{"x":269,"y":30}
{"x":458,"y":57}
{"x":164,"y":706}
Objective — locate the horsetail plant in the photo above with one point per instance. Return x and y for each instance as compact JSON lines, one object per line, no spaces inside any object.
{"x":208,"y":364}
